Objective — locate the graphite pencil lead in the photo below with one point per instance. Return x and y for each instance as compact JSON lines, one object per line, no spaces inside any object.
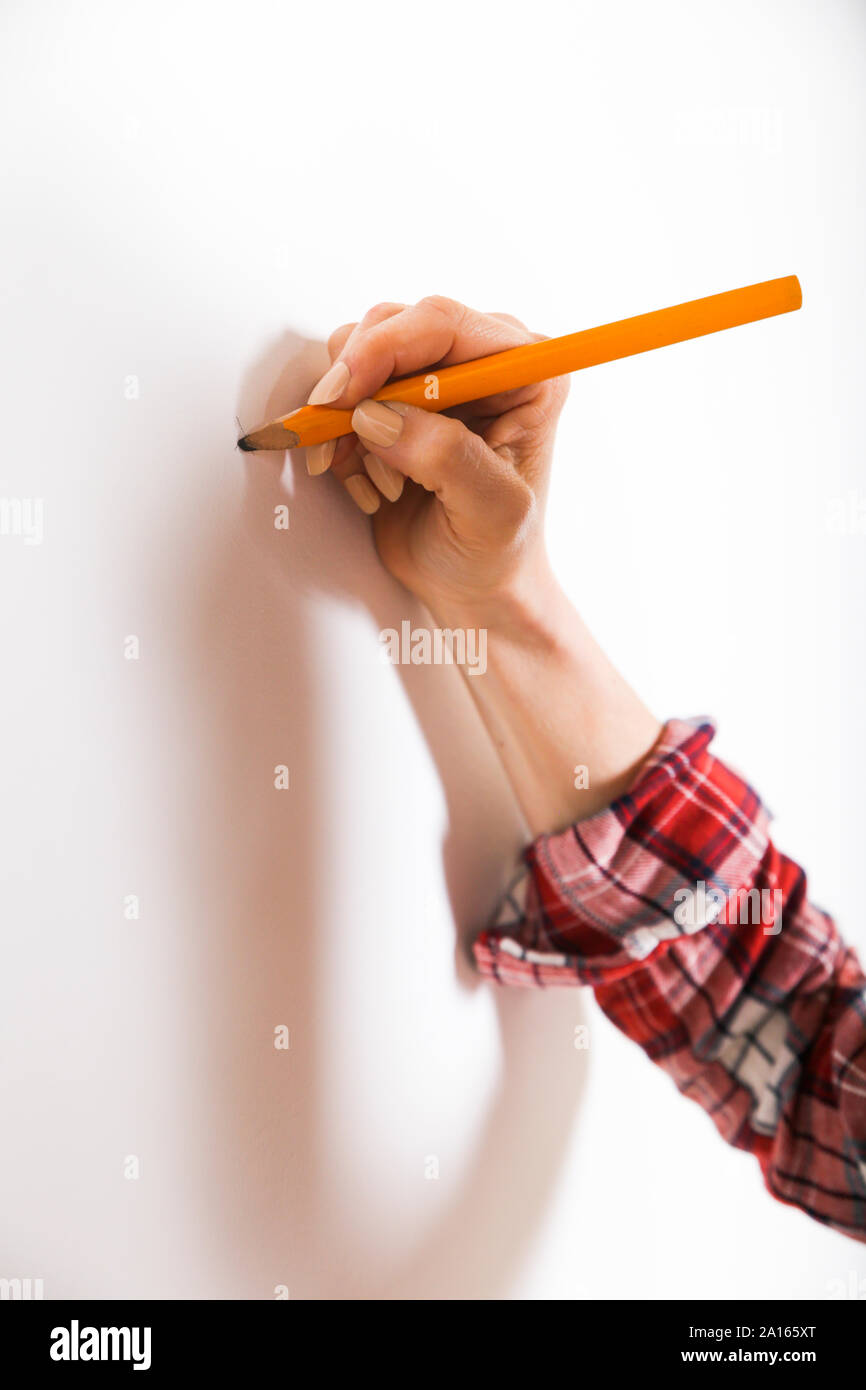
{"x":273,"y":436}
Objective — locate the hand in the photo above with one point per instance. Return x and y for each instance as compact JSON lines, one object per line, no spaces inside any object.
{"x":462,"y":527}
{"x":459,"y":498}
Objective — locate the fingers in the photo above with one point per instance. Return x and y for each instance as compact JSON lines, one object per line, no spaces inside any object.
{"x":352,"y":474}
{"x":340,"y":341}
{"x":525,"y":433}
{"x":487,"y":408}
{"x":395,"y":340}
{"x":337,"y":342}
{"x":320,"y":457}
{"x":389,"y":480}
{"x":358,"y":471}
{"x":478,"y":489}
{"x":333,"y":384}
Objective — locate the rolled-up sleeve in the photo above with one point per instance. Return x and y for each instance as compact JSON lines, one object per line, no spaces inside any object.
{"x":702,"y":946}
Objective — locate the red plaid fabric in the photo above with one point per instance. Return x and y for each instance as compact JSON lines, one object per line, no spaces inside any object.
{"x":701,"y":945}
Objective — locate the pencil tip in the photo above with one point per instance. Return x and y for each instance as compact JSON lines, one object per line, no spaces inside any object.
{"x":273,"y":438}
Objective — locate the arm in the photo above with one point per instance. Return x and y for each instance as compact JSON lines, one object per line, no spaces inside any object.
{"x":656,"y":884}
{"x":587,"y":716}
{"x":702,"y":946}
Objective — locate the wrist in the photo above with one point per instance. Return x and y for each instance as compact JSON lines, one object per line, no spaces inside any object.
{"x":531,"y":610}
{"x":552,"y":700}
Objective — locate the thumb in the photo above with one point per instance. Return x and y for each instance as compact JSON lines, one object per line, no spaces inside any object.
{"x":475,"y":485}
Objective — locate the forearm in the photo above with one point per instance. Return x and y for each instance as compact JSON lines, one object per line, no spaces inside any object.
{"x":552,"y":703}
{"x":702,"y":946}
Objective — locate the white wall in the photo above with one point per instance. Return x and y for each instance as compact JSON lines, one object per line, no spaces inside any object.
{"x":195,"y":195}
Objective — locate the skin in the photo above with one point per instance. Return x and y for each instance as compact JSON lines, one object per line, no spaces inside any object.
{"x":467,"y":537}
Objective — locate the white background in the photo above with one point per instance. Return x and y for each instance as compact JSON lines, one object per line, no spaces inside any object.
{"x":195,"y":195}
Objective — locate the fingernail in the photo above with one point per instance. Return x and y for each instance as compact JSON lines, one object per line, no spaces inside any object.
{"x":387,"y":479}
{"x":319,"y":457}
{"x":377,"y":422}
{"x":332,"y":385}
{"x":362,"y":493}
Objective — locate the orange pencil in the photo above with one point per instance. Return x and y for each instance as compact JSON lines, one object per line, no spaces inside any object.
{"x":521,"y":366}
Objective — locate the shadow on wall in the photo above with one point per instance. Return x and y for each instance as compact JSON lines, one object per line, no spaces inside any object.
{"x":268,"y":1201}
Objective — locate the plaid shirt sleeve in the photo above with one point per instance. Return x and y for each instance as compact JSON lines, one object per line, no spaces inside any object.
{"x":700,"y":942}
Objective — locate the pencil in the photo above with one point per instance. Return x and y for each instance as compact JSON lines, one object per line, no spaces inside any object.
{"x":522,"y":366}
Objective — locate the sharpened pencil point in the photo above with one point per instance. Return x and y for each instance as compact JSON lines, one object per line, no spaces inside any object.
{"x":274,"y":438}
